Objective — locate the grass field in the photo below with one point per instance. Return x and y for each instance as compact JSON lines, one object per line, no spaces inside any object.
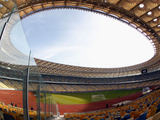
{"x":84,"y":98}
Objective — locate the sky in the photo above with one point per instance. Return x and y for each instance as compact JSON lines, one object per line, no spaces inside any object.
{"x":82,"y":38}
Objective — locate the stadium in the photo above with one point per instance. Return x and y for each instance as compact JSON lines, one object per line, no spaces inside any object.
{"x":37,"y":89}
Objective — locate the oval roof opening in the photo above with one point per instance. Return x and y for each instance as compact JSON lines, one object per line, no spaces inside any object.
{"x":82,"y":38}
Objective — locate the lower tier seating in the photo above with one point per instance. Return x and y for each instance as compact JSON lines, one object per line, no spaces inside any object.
{"x":141,"y":109}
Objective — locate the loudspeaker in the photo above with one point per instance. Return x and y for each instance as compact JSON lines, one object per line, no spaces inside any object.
{"x":144,"y":71}
{"x":106,"y":105}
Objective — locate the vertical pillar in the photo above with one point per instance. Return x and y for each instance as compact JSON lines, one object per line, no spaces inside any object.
{"x":25,"y":91}
{"x":45,"y":118}
{"x":5,"y":24}
{"x":49,"y":107}
{"x":25,"y":94}
{"x":38,"y":100}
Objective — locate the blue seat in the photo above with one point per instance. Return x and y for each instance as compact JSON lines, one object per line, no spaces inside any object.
{"x":158,"y":108}
{"x":102,"y":119}
{"x":128,"y":111}
{"x":153,"y":102}
{"x":126,"y":117}
{"x":142,"y":117}
{"x":118,"y":118}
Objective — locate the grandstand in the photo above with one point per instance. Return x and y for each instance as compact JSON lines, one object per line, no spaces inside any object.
{"x":35,"y":89}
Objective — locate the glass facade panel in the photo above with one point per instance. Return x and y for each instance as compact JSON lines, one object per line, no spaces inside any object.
{"x":19,"y":76}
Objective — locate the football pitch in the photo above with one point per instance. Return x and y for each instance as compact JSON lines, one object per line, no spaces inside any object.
{"x":85,"y":98}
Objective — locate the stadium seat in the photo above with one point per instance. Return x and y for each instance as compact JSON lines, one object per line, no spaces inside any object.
{"x":126,"y":117}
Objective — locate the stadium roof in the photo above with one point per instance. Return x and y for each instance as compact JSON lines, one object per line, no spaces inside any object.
{"x":143,"y":15}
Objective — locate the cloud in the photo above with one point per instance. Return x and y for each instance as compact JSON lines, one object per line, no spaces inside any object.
{"x":86,"y":39}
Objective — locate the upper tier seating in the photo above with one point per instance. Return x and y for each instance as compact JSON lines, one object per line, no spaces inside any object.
{"x":55,"y":87}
